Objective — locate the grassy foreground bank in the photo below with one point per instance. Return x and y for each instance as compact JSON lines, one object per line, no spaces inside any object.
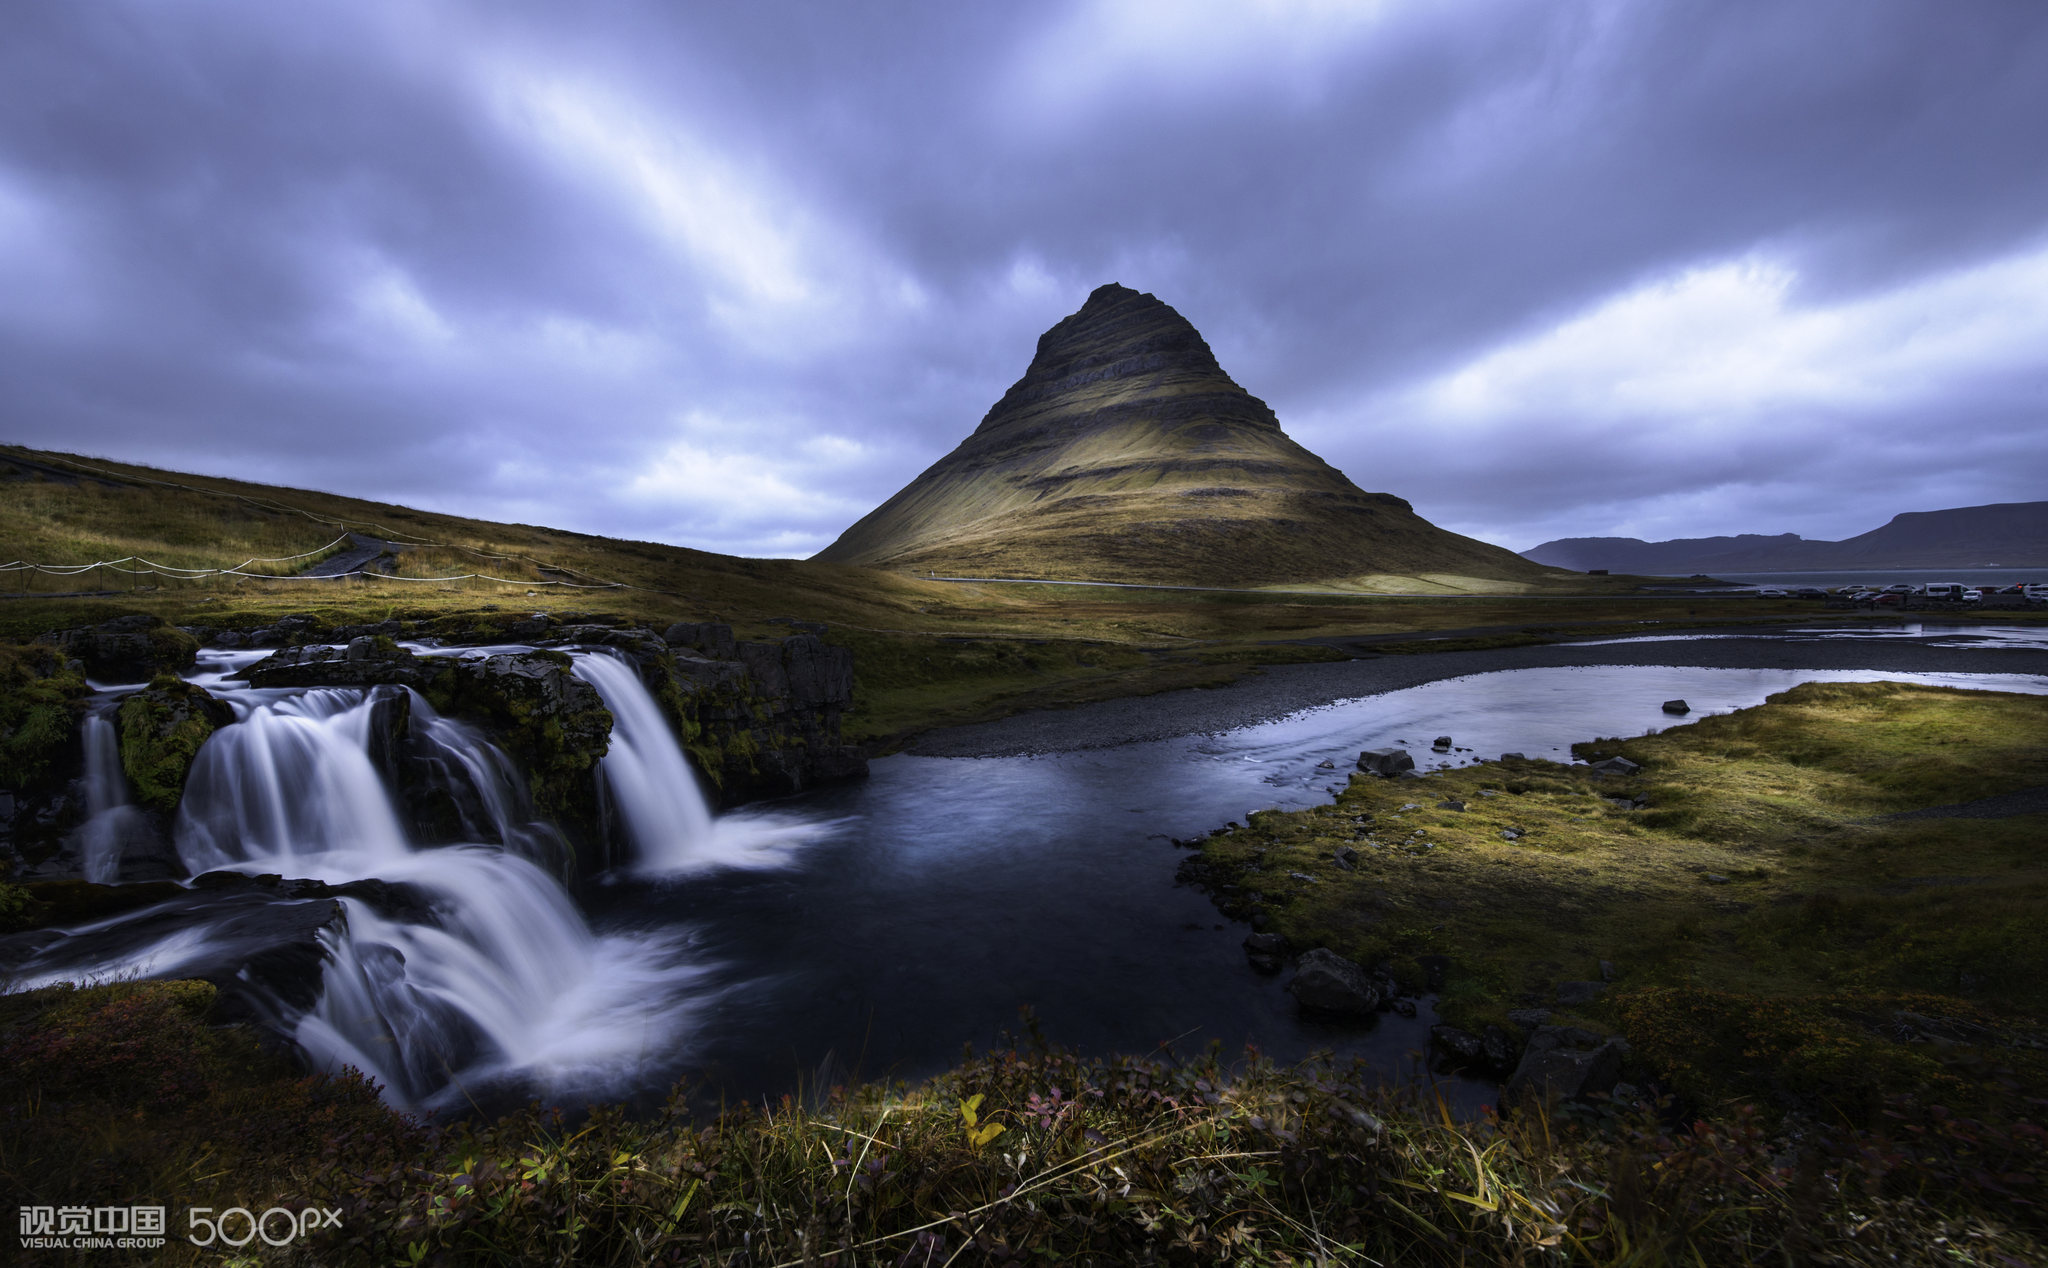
{"x":123,"y":1094}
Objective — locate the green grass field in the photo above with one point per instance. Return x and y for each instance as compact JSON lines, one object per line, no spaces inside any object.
{"x":1762,"y":871}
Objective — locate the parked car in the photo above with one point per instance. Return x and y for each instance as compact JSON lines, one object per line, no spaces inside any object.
{"x":1898,"y":587}
{"x":1943,"y":590}
{"x":1771,"y":594}
{"x":1809,"y":592}
{"x":1889,"y":598}
{"x":2037,"y":593}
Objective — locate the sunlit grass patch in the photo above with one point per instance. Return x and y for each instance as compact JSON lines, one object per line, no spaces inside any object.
{"x":1761,"y":865}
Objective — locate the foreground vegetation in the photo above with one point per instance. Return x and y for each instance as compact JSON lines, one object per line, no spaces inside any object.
{"x":123,"y":1093}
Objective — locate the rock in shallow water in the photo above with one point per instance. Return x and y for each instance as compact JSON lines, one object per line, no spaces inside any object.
{"x":1385,"y":762}
{"x":1329,"y":983}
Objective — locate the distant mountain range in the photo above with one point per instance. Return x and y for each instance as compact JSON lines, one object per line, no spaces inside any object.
{"x":1126,"y":454}
{"x":2006,"y":534}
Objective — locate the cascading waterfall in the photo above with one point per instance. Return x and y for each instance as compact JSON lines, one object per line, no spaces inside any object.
{"x":666,"y":817}
{"x":469,"y":964}
{"x":502,"y":977}
{"x":664,"y":812}
{"x":465,"y":756}
{"x":111,"y":822}
{"x":290,"y":784}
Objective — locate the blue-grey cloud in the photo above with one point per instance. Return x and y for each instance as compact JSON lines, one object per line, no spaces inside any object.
{"x":729,"y":275}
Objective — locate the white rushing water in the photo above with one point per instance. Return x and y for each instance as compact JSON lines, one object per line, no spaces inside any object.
{"x":501,"y":976}
{"x":470,"y":964}
{"x":112,"y":822}
{"x":660,"y":803}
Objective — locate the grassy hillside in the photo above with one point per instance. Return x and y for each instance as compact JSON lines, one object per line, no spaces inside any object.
{"x":929,"y":652}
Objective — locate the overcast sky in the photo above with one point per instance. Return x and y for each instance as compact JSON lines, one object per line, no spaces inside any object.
{"x":728,"y":275}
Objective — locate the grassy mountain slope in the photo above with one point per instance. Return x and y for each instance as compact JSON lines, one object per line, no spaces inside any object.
{"x":1125,"y":453}
{"x":929,"y":652}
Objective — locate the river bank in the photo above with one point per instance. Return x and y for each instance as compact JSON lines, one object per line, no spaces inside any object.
{"x":1276,"y":691}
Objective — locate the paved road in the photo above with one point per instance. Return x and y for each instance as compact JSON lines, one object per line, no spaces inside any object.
{"x":361,"y":550}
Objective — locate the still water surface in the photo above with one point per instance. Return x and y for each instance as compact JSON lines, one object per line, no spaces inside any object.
{"x":955,"y":891}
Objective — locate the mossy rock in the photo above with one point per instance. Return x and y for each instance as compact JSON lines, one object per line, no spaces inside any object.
{"x":162,"y":729}
{"x":128,"y":648}
{"x":551,"y":722}
{"x":40,"y":691}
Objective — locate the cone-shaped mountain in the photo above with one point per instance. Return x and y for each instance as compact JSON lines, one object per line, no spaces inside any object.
{"x":1125,"y":453}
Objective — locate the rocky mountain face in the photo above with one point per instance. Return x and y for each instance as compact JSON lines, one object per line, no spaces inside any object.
{"x":1125,"y":453}
{"x":2006,"y":534}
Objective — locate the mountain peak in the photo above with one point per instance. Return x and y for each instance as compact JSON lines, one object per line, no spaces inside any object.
{"x":1119,"y":340}
{"x":1125,"y":453}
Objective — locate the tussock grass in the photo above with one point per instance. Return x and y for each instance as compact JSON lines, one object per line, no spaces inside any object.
{"x":1023,"y":1154}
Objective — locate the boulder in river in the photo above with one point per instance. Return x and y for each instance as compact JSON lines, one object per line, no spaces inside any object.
{"x":1267,"y":952}
{"x":1385,"y":762}
{"x":1677,"y":706}
{"x":1442,"y":744}
{"x":1329,"y":983}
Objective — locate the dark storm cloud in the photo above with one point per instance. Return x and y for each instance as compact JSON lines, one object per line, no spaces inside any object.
{"x":729,"y":275}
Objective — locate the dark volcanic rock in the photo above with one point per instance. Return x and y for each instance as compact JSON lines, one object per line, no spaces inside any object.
{"x":1329,"y":983}
{"x":552,"y":723}
{"x":712,"y":638}
{"x":365,"y":662}
{"x":1491,"y":1052}
{"x":1267,"y":952}
{"x":1385,"y":762}
{"x":765,"y":724}
{"x":128,"y":648}
{"x":1566,"y":1063}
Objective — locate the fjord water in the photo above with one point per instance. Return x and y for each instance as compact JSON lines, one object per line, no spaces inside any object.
{"x":866,"y":929}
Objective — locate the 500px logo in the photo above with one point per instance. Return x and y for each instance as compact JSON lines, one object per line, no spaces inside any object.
{"x":277,"y":1226}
